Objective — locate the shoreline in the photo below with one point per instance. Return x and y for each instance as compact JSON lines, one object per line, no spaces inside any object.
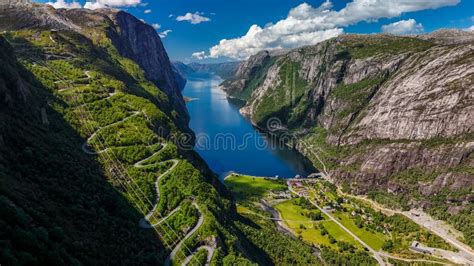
{"x":232,"y":173}
{"x":189,"y":99}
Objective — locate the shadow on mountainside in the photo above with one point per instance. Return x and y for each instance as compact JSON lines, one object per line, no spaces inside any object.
{"x":56,"y":205}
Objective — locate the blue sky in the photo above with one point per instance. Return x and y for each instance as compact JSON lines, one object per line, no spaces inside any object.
{"x":223,"y":19}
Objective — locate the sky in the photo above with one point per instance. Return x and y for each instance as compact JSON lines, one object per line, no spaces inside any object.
{"x":209,"y":31}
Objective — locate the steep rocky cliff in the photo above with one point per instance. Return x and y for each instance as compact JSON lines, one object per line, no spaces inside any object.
{"x":388,"y":116}
{"x":56,"y":207}
{"x":60,"y":203}
{"x":141,"y":43}
{"x":248,"y":75}
{"x":94,"y":167}
{"x":131,"y":37}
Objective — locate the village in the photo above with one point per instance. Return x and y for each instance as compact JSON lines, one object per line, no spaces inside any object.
{"x":317,"y":212}
{"x":345,"y":223}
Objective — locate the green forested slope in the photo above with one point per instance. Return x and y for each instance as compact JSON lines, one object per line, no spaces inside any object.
{"x":88,"y":144}
{"x":383,"y":115}
{"x":56,"y":205}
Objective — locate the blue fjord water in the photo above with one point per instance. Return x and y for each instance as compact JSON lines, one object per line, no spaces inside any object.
{"x":228,"y":142}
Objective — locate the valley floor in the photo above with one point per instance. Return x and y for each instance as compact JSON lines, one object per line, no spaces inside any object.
{"x":318,"y":213}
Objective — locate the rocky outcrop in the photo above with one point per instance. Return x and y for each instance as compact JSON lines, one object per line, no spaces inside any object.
{"x":429,"y":96}
{"x":449,"y":37}
{"x":141,"y":43}
{"x":23,"y":14}
{"x":383,"y":112}
{"x":132,"y":38}
{"x":245,"y":72}
{"x":15,"y":3}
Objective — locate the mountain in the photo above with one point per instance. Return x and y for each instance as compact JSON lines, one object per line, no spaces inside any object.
{"x":81,"y":105}
{"x":391,"y":117}
{"x":179,"y":77}
{"x":181,"y":71}
{"x":224,"y":70}
{"x":56,"y":207}
{"x":182,"y":68}
{"x":248,"y":74}
{"x":96,"y":157}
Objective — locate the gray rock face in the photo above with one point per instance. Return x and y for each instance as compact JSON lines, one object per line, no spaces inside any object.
{"x":244,"y":73}
{"x":247,"y":68}
{"x":382,"y":101}
{"x":15,"y":3}
{"x":132,"y":38}
{"x":430,"y":95}
{"x":449,"y":37}
{"x":141,"y":43}
{"x":22,"y":14}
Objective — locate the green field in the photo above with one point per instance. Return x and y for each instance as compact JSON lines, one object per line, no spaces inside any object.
{"x":293,"y":214}
{"x":374,"y":240}
{"x":252,"y":188}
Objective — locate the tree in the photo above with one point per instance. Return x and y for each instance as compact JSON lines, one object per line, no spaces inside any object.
{"x":388,"y":245}
{"x":315,"y":216}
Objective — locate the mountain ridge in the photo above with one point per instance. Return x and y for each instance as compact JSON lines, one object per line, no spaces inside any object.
{"x":94,"y":148}
{"x":224,"y":70}
{"x":389,"y":116}
{"x":148,"y":52}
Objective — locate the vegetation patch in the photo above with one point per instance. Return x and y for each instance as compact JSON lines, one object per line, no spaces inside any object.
{"x":286,"y":94}
{"x":252,"y":188}
{"x":361,"y":47}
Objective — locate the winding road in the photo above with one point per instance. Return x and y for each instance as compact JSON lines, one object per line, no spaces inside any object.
{"x":438,"y":228}
{"x":145,"y":222}
{"x":210,"y":252}
{"x":86,"y":147}
{"x":141,"y":164}
{"x":461,"y":257}
{"x":173,"y":253}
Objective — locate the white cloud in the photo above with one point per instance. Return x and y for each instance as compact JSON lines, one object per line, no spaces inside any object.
{"x":170,"y":15}
{"x":199,"y":55}
{"x":307,"y":25}
{"x":64,"y":4}
{"x":148,"y":11}
{"x":403,"y":27}
{"x":94,"y":5}
{"x":195,"y":18}
{"x":111,"y":3}
{"x":156,"y":26}
{"x":470,"y":28}
{"x":165,"y":33}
